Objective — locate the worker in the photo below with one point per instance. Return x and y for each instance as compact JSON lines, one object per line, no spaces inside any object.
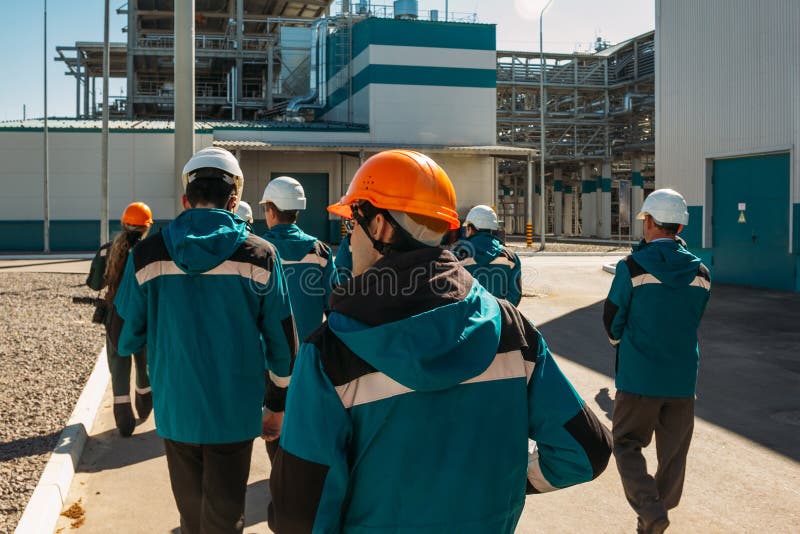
{"x":245,"y":213}
{"x":482,"y":253}
{"x":308,"y":263}
{"x":651,"y":315}
{"x":412,"y":407}
{"x":106,"y":272}
{"x":203,"y":295}
{"x":344,"y":260}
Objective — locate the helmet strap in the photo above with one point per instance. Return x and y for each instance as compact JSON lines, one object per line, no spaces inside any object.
{"x":403,"y":241}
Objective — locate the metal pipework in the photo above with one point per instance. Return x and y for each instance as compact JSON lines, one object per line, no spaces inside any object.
{"x":317,"y":79}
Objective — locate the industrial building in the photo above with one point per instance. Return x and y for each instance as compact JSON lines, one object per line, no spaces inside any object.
{"x":292,"y":87}
{"x":728,"y":131}
{"x":292,"y":94}
{"x":599,"y":107}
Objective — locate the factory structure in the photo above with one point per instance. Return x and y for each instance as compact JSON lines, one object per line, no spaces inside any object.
{"x":312,"y":88}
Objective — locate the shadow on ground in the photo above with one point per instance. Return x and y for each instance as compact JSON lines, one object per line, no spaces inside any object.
{"x":108,"y":451}
{"x":29,"y":446}
{"x":749,"y":361}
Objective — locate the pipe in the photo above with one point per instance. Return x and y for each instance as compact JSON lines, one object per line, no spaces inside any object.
{"x":317,"y":82}
{"x":627,"y":102}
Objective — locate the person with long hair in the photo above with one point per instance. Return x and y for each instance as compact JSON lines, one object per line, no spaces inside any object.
{"x":106,"y":272}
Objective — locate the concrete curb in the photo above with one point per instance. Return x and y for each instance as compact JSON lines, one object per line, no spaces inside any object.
{"x":610,"y":268}
{"x":47,"y":501}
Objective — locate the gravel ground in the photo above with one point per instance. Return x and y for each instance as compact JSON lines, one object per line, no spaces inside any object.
{"x":48,"y":346}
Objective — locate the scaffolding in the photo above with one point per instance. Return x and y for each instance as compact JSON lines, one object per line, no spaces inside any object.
{"x":238,"y":51}
{"x":599,"y":108}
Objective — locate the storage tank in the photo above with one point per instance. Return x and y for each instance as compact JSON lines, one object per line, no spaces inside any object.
{"x":405,"y":9}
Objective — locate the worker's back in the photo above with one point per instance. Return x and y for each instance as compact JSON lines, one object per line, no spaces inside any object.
{"x":423,"y":402}
{"x":663,"y":290}
{"x":310,"y":274}
{"x":493,"y":265}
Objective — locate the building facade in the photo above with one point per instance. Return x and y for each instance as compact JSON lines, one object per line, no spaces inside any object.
{"x":728,"y":128}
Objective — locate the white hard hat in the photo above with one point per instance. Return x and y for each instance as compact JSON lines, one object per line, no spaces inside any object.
{"x":214,"y":158}
{"x":666,"y":206}
{"x":286,"y":193}
{"x":482,"y":218}
{"x":245,"y":212}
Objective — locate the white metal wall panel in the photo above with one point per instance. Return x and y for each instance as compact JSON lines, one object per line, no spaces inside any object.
{"x":141,"y":167}
{"x":728,"y":80}
{"x":433,"y":115}
{"x":472,"y":179}
{"x":422,"y":56}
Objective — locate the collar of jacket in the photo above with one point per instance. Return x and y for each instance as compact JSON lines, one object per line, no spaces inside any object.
{"x":401,"y":285}
{"x":643,"y":244}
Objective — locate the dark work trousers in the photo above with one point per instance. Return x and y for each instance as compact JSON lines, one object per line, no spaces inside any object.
{"x":272,"y":448}
{"x":120,"y":369}
{"x":636,"y":418}
{"x":209,"y":483}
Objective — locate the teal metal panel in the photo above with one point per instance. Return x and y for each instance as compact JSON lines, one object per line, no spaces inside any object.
{"x":393,"y":32}
{"x":74,"y":235}
{"x":413,"y":75}
{"x":314,"y":219}
{"x":21,"y":235}
{"x":558,"y":186}
{"x":568,"y":189}
{"x":637,"y":180}
{"x":751,"y":247}
{"x":692,"y":233}
{"x":588,"y":186}
{"x":606,"y":185}
{"x":796,"y":229}
{"x":65,"y":236}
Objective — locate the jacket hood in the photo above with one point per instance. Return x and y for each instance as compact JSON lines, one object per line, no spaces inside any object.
{"x":290,"y":240}
{"x":434,"y":331}
{"x":669,"y":261}
{"x":199,"y":239}
{"x":487,"y":247}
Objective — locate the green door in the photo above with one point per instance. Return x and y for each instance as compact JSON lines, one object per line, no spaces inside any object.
{"x":314,"y":219}
{"x":751,"y":222}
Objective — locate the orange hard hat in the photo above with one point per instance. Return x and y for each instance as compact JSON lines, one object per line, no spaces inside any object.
{"x":402,"y":180}
{"x":137,"y":214}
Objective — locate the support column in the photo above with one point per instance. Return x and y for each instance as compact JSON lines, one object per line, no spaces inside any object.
{"x":529,"y":205}
{"x":604,"y":217}
{"x":558,"y":202}
{"x":184,"y":92}
{"x":77,"y":96}
{"x":270,"y":103}
{"x":94,"y":99}
{"x":588,"y":202}
{"x":637,"y":198}
{"x":567,"y":216}
{"x":537,"y":203}
{"x":132,"y":37}
{"x":239,"y":60}
{"x":86,"y":93}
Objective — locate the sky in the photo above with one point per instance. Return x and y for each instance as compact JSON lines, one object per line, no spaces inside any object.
{"x":569,"y":25}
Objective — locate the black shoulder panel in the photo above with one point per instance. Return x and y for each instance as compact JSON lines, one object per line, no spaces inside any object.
{"x":341,"y":364}
{"x":150,"y":250}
